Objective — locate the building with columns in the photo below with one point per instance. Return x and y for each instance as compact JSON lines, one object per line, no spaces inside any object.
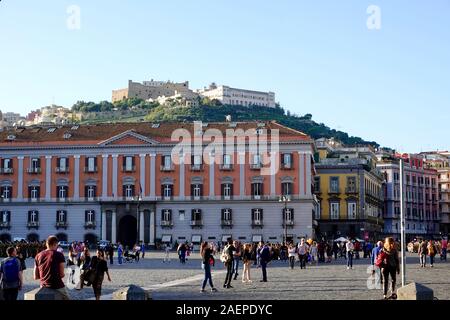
{"x":123,"y":183}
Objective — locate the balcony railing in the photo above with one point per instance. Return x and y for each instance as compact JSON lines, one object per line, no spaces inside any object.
{"x":34,"y":170}
{"x":61,"y":224}
{"x":33,"y":224}
{"x":6,"y":171}
{"x":226,"y":223}
{"x":128,"y":169}
{"x":91,"y":170}
{"x":3,"y":199}
{"x":289,"y":223}
{"x":351,"y":190}
{"x":89,"y":225}
{"x":333,"y":191}
{"x":287,"y":166}
{"x":196,"y":223}
{"x":255,"y":166}
{"x":5,"y":225}
{"x":62,"y":170}
{"x":90,"y":199}
{"x":197,"y":167}
{"x":167,"y":168}
{"x":257,"y":223}
{"x":226,"y":167}
{"x":166,"y":224}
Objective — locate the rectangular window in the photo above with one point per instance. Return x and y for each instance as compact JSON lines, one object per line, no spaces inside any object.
{"x":167,"y":191}
{"x":257,"y":216}
{"x":6,"y":192}
{"x":351,"y":210}
{"x":318,"y":211}
{"x":128,"y":163}
{"x":351,"y":184}
{"x":287,"y":161}
{"x":334,"y":184}
{"x":167,"y":162}
{"x":226,"y":191}
{"x":62,"y":164}
{"x":62,"y":192}
{"x":167,"y":215}
{"x":317,"y":184}
{"x":257,"y":190}
{"x":34,"y":192}
{"x":334,"y":210}
{"x":91,"y":164}
{"x":226,"y":215}
{"x":286,"y":188}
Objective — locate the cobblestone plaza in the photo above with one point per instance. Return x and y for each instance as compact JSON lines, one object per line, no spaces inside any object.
{"x":173,"y":281}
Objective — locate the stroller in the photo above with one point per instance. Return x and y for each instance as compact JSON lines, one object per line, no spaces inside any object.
{"x":129,"y":257}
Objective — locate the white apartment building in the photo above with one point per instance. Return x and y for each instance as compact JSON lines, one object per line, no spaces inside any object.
{"x":234,"y":96}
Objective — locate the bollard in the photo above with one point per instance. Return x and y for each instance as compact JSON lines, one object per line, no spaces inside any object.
{"x":131,"y":292}
{"x":43,"y":294}
{"x":415,"y":291}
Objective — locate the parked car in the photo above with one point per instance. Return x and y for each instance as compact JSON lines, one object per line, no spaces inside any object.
{"x":64,"y":244}
{"x":102,"y":244}
{"x":23,"y":240}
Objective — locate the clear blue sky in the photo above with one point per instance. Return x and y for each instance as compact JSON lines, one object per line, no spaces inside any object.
{"x":390,"y":85}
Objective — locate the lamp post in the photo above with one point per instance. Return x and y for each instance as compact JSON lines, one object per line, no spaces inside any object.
{"x":285,"y":199}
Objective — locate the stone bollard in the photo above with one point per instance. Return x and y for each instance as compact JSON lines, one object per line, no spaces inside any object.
{"x":415,"y":291}
{"x":43,"y":294}
{"x":131,"y":292}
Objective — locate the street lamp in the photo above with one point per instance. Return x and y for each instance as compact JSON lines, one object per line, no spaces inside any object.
{"x":285,"y":199}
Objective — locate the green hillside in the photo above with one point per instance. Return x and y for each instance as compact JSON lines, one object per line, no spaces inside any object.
{"x":212,"y":112}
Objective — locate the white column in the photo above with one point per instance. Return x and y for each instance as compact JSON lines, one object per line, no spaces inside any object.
{"x":142,"y":173}
{"x":301,"y":173}
{"x":308,"y":174}
{"x":48,"y":177}
{"x":103,"y":225}
{"x":114,"y":175}
{"x":273,"y":171}
{"x":114,"y":227}
{"x":152,"y":228}
{"x":211,"y":175}
{"x":20,"y":177}
{"x":242,"y":173}
{"x":105,"y":176}
{"x":182,"y":174}
{"x":141,"y":226}
{"x":76,"y":178}
{"x":152,"y":175}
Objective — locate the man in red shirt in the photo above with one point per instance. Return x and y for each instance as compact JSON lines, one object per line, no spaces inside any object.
{"x":49,"y":268}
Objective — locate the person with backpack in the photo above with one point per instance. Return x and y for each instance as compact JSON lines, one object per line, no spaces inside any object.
{"x":431,"y":250}
{"x":423,"y":253}
{"x":11,"y":275}
{"x":389,"y":263}
{"x":227,"y":258}
{"x":99,"y":267}
{"x":207,"y":262}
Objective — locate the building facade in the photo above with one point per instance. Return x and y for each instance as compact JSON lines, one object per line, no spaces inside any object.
{"x":440,"y":161}
{"x":349,"y":190}
{"x":150,"y":90}
{"x":234,"y":96}
{"x":122,"y":182}
{"x":421,"y":196}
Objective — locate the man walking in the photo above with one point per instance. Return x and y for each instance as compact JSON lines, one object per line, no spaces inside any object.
{"x":265,"y":258}
{"x":444,"y":244}
{"x":119,"y":253}
{"x":111,"y":253}
{"x":236,"y":258}
{"x":423,"y":253}
{"x":11,"y":275}
{"x":349,"y":247}
{"x":49,"y":268}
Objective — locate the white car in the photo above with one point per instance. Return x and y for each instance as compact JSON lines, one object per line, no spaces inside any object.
{"x":63,"y":244}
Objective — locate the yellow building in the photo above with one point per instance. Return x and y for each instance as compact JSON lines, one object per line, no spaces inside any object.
{"x":349,"y":191}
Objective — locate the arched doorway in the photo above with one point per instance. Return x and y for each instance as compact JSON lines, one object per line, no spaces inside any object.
{"x":62,"y":237}
{"x":5,"y":237}
{"x":91,"y":240}
{"x":128,"y":231}
{"x":33,"y":237}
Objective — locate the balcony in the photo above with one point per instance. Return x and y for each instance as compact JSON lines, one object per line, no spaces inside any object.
{"x":166,"y":224}
{"x":257,"y":224}
{"x":89,"y":225}
{"x":167,"y":168}
{"x":255,"y":166}
{"x":196,"y":223}
{"x":287,"y":166}
{"x":91,"y":170}
{"x":34,"y":170}
{"x":196,"y":198}
{"x":351,"y":190}
{"x":35,"y":199}
{"x":60,"y":199}
{"x":226,"y":224}
{"x":3,"y":199}
{"x":5,"y":225}
{"x":289,"y":223}
{"x":226,"y":167}
{"x":197,"y":167}
{"x":61,"y":225}
{"x":62,"y":170}
{"x":334,"y":191}
{"x":33,"y":225}
{"x":128,"y":169}
{"x":6,"y":171}
{"x":91,"y":199}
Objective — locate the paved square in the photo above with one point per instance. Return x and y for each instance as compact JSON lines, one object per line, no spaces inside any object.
{"x":173,"y":281}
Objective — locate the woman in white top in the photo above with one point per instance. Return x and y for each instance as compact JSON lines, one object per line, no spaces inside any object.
{"x":349,"y":247}
{"x":292,"y":252}
{"x":313,"y":252}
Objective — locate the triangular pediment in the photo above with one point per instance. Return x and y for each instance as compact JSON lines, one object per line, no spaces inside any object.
{"x":128,"y":138}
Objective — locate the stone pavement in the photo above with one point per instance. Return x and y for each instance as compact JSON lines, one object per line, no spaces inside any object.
{"x":173,"y":281}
